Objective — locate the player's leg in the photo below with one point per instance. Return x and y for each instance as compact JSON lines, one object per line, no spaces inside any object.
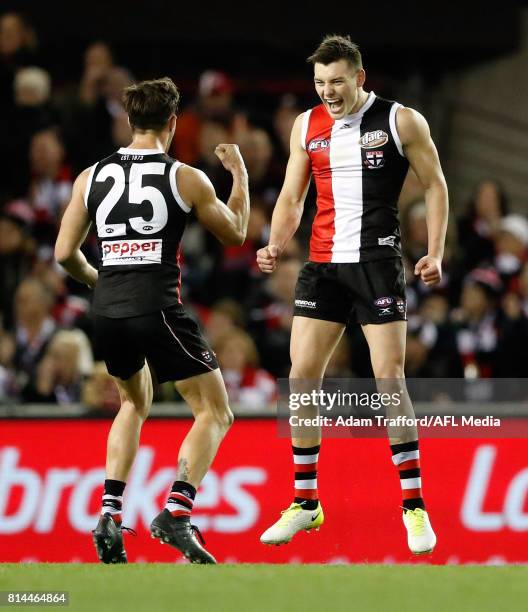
{"x":116,"y":342}
{"x":123,"y":439}
{"x":312,"y":344}
{"x":207,"y":397}
{"x":387,"y":352}
{"x":122,"y":446}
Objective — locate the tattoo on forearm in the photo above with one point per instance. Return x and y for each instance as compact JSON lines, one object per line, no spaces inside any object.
{"x":183,"y":470}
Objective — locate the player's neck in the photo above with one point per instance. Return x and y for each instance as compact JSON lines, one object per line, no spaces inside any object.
{"x":148,"y":141}
{"x":362,"y":98}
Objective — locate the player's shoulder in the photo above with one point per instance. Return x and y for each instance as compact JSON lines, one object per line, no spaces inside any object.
{"x":411,"y":124}
{"x":193,"y":184}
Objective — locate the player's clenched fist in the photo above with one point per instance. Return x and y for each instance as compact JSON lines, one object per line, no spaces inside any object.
{"x":429,"y":269}
{"x":267,"y":258}
{"x":229,"y":155}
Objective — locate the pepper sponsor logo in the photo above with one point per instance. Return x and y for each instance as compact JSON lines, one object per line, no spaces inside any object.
{"x":127,"y":252}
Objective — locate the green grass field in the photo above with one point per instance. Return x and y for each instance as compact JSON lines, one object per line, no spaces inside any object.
{"x":270,"y":588}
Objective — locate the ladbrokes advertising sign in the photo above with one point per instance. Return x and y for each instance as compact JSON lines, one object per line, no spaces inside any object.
{"x":51,"y":475}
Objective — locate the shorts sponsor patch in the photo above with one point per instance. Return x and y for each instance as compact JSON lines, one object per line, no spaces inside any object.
{"x":305,"y":304}
{"x":127,"y":252}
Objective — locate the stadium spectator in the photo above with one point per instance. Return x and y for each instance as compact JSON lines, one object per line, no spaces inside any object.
{"x":283,"y":120}
{"x":30,"y":113}
{"x":17,"y":249}
{"x":17,"y":47}
{"x":511,"y":246}
{"x":271,"y":316}
{"x":477,"y":334}
{"x":225,"y":316}
{"x":33,"y":331}
{"x":208,"y":120}
{"x":100,"y":393}
{"x":98,"y":61}
{"x":66,"y":363}
{"x":431,"y":341}
{"x":246,"y":383}
{"x":96,"y":125}
{"x":480,"y":223}
{"x":51,"y":184}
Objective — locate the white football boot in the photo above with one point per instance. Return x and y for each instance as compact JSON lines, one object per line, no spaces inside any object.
{"x":420,"y":535}
{"x":293,"y":519}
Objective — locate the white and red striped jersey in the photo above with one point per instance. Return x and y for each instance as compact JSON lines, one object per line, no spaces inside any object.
{"x":359,"y":167}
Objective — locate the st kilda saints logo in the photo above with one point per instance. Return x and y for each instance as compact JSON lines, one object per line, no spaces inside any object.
{"x":373,"y":140}
{"x":374,"y":159}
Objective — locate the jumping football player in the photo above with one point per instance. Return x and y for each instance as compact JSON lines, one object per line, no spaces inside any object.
{"x":358,"y":147}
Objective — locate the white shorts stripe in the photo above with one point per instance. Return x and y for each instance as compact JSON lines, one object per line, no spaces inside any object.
{"x":179,"y":342}
{"x":411,"y":483}
{"x":306,"y":484}
{"x":304,"y":459}
{"x":405,"y":456}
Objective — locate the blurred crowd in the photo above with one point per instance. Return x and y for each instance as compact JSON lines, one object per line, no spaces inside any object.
{"x":475,"y":324}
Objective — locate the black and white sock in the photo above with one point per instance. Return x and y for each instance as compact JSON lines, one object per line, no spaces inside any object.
{"x":181,"y":499}
{"x":113,"y":499}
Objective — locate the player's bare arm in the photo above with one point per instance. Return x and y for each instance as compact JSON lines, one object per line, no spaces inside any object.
{"x":421,"y":152}
{"x":74,"y":227}
{"x":290,"y":203}
{"x":227,"y":222}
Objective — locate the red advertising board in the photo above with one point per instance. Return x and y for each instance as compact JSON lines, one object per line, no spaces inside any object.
{"x":51,"y":475}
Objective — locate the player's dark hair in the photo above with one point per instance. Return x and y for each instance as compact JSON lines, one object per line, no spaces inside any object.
{"x":334,"y":48}
{"x":149,"y":104}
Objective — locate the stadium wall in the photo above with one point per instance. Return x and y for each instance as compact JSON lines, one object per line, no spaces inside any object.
{"x":51,"y":474}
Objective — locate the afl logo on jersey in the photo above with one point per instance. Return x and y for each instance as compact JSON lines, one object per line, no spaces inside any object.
{"x":373,"y":140}
{"x":318,"y":144}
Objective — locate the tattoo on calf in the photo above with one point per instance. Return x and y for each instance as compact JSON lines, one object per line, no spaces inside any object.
{"x":183,"y":470}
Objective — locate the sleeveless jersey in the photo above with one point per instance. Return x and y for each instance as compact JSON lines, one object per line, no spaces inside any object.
{"x":359,"y":167}
{"x":133,"y":201}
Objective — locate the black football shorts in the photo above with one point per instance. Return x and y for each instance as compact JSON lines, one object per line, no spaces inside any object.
{"x":365,"y":292}
{"x":170,"y":339}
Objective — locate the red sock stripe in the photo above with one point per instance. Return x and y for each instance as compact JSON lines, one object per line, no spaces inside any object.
{"x":409,"y":465}
{"x":306,"y":467}
{"x":411,"y":493}
{"x":306,"y":493}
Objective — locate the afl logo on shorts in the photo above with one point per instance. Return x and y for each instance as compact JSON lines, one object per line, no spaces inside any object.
{"x":318,"y":144}
{"x":373,"y":140}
